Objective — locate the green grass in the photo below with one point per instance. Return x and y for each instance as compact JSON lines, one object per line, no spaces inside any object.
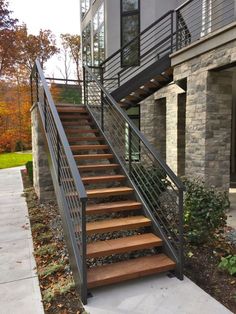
{"x":9,"y":160}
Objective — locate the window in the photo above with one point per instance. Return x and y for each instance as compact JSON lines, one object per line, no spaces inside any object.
{"x":85,"y":5}
{"x":86,"y":43}
{"x":130,"y":28}
{"x":134,"y":115}
{"x":98,"y":36}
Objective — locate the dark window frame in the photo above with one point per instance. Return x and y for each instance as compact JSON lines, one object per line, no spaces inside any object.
{"x":125,"y":14}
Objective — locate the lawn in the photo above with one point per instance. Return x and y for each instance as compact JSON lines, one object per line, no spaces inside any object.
{"x":9,"y":160}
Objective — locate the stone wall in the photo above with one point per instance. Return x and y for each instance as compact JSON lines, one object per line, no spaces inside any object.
{"x":42,"y":178}
{"x":208,"y":114}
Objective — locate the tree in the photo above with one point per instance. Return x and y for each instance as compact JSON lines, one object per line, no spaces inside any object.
{"x":8,"y":47}
{"x":41,"y":46}
{"x":72,"y":42}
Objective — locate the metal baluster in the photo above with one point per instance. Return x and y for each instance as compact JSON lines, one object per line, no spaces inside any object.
{"x":58,"y":159}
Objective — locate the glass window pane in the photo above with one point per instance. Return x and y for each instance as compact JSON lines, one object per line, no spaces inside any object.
{"x":101,"y":15}
{"x":129,"y":5}
{"x":130,"y":29}
{"x":95,"y":22}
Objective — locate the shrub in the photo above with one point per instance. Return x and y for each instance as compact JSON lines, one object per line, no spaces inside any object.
{"x":204,"y":211}
{"x":228,"y":263}
{"x":29,"y":167}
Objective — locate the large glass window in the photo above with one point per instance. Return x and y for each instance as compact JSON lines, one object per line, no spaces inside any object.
{"x":130,"y":28}
{"x":98,"y":36}
{"x":86,"y":43}
{"x":85,"y":5}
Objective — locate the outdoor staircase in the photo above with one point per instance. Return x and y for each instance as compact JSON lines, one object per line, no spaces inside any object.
{"x":119,"y":235}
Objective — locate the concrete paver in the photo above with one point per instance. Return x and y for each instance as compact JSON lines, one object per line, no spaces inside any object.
{"x":19,"y":286}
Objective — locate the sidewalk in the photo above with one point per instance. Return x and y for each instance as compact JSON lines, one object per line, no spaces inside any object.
{"x":19,"y":286}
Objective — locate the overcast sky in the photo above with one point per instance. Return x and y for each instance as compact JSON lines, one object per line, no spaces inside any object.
{"x":57,"y":15}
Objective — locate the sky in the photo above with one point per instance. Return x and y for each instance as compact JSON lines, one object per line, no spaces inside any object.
{"x":57,"y":15}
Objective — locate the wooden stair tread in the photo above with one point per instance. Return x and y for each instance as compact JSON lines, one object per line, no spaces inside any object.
{"x":134,"y":268}
{"x":71,"y":109}
{"x":81,"y":131}
{"x":85,"y":138}
{"x":122,"y":245}
{"x":98,"y":167}
{"x":93,"y":156}
{"x":76,"y":123}
{"x":95,"y":179}
{"x":88,"y":147}
{"x":103,"y":226}
{"x":109,"y":191}
{"x":113,"y":207}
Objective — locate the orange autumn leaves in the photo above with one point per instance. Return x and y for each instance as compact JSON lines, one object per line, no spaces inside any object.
{"x":15,"y":125}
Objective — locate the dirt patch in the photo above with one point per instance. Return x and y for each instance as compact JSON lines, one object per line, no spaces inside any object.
{"x":201,"y":266}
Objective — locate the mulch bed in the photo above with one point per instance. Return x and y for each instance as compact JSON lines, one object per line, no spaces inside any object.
{"x":55,"y":276}
{"x":201,"y":266}
{"x":59,"y":294}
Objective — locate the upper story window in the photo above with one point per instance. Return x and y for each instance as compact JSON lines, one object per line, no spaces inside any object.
{"x":130,"y":28}
{"x":85,"y":5}
{"x":98,"y":36}
{"x":86,"y":44}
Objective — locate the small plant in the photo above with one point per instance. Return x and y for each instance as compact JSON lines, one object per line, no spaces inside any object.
{"x":228,"y":263}
{"x":60,"y":288}
{"x":204,"y":211}
{"x":48,"y":249}
{"x":45,"y":237}
{"x":51,"y":269}
{"x":29,"y":167}
{"x":39,"y":227}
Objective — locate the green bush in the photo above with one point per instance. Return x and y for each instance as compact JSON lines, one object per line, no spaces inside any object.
{"x":29,"y":167}
{"x":204,"y":211}
{"x":228,"y":263}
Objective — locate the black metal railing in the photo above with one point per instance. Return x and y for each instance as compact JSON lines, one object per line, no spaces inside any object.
{"x":198,"y":18}
{"x":154,"y":42}
{"x":69,"y":188}
{"x":155,"y":184}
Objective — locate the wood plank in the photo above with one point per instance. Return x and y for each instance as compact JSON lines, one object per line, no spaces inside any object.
{"x":88,"y":147}
{"x":97,"y":167}
{"x":93,"y":156}
{"x":71,"y":109}
{"x":80,"y":131}
{"x":85,"y":139}
{"x":134,"y":268}
{"x":116,"y":224}
{"x":122,"y":245}
{"x":97,"y":179}
{"x":113,"y":207}
{"x":123,"y":190}
{"x":77,"y":123}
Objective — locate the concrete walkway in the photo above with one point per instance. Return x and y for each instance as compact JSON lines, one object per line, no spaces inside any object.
{"x":19,"y":286}
{"x":154,"y":295}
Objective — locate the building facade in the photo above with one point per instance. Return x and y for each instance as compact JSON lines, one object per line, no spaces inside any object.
{"x":191,"y":120}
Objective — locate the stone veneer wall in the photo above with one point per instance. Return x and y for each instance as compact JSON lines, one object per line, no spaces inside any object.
{"x":42,"y":177}
{"x":208,"y":114}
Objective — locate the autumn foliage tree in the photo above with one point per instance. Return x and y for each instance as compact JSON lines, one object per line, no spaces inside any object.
{"x":18,"y":52}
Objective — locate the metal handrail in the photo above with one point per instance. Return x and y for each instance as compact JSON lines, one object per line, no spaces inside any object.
{"x":68,"y":185}
{"x":136,"y":37}
{"x":150,"y":148}
{"x":74,"y":169}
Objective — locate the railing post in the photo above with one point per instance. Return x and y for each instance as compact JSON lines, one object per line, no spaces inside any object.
{"x":130,"y":149}
{"x":177,"y":30}
{"x":58,"y":159}
{"x":84,"y":252}
{"x":31,"y":91}
{"x":37,"y":86}
{"x":102,"y":99}
{"x":45,"y":111}
{"x":172,"y":32}
{"x":84,"y":85}
{"x":181,"y":235}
